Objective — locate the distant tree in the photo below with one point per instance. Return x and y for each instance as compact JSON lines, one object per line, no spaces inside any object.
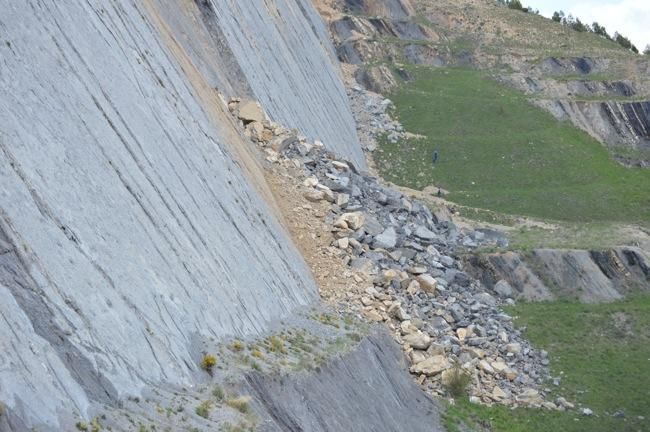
{"x":579,"y":26}
{"x":600,"y":30}
{"x":558,"y":16}
{"x":646,"y":51}
{"x":625,"y":42}
{"x":515,"y":4}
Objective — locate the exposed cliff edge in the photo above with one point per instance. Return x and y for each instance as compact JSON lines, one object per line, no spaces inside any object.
{"x":135,"y":228}
{"x":548,"y":274}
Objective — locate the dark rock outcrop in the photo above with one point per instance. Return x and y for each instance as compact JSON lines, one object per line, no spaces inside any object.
{"x":333,"y":398}
{"x":547,"y":274}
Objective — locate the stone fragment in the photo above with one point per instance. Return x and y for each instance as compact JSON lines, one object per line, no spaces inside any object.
{"x":352,"y":220}
{"x":530,"y":397}
{"x":314,"y":195}
{"x":428,"y":283}
{"x":373,"y":315}
{"x":424,"y":233}
{"x":431,"y":366}
{"x":498,"y":394}
{"x":386,"y":240}
{"x":503,"y":289}
{"x":251,"y":111}
{"x":513,"y":347}
{"x":418,"y":340}
{"x":396,"y":311}
{"x":413,"y":287}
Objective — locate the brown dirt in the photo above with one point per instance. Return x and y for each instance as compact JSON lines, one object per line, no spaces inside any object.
{"x":304,"y":220}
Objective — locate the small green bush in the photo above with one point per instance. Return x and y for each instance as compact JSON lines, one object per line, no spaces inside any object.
{"x":239,"y":403}
{"x":204,"y":408}
{"x":237,"y":346}
{"x":457,"y":381}
{"x":277,"y":345}
{"x":218,"y":393}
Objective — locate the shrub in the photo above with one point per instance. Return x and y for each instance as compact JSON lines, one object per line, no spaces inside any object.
{"x":203,"y":410}
{"x":218,"y":393}
{"x":239,"y":403}
{"x":257,"y":354}
{"x":208,"y":362}
{"x":277,"y":345}
{"x":237,"y":346}
{"x":457,"y":381}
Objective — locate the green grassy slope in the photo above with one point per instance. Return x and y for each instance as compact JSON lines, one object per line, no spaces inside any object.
{"x":499,"y":152}
{"x":602,"y":353}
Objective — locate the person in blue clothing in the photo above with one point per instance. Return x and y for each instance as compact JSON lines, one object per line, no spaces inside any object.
{"x":435,"y":156}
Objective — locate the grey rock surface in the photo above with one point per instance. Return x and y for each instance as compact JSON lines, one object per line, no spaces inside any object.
{"x":276,"y":52}
{"x":132,"y":234}
{"x":333,"y":398}
{"x":547,"y":274}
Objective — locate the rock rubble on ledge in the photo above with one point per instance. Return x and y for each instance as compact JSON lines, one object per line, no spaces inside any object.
{"x":407,"y":261}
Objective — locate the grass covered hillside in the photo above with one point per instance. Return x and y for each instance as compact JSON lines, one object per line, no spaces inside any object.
{"x":601,"y":353}
{"x":497,"y":151}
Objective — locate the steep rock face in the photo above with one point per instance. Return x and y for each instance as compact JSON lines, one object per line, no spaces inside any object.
{"x":133,"y":230}
{"x":276,"y":52}
{"x":614,"y":123}
{"x":547,"y":274}
{"x":348,"y":387}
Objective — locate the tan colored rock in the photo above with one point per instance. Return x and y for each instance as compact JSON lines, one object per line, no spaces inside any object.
{"x":475,"y":352}
{"x":461,"y":333}
{"x":343,"y":243}
{"x":251,"y":111}
{"x":406,"y":328}
{"x":366,"y":301}
{"x":418,"y":340}
{"x":352,"y":220}
{"x":310,"y":181}
{"x":499,"y":366}
{"x":485,"y":367}
{"x":431,"y":366}
{"x":417,"y":356}
{"x":341,"y":166}
{"x":513,"y":348}
{"x":255,"y":130}
{"x":417,"y":270}
{"x":396,"y":311}
{"x":373,"y":315}
{"x":530,"y":397}
{"x":498,"y":394}
{"x":314,"y":195}
{"x":413,"y":287}
{"x":428,"y":283}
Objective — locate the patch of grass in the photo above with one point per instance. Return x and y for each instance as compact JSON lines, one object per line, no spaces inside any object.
{"x":276,"y":345}
{"x":602,"y":354}
{"x":218,"y":393}
{"x":241,"y":404}
{"x":237,"y":346}
{"x":457,"y":381}
{"x":499,"y":152}
{"x":203,"y":409}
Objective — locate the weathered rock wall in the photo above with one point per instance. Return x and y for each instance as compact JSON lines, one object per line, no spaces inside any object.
{"x":135,"y":228}
{"x":276,"y":52}
{"x":548,"y":274}
{"x":348,"y":387}
{"x":613,"y":123}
